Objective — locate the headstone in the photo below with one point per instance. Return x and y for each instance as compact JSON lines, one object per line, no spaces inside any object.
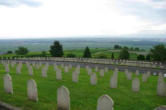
{"x":55,"y":67}
{"x":164,"y":75}
{"x":7,"y":68}
{"x":58,"y":74}
{"x":129,"y":75}
{"x":18,"y":69}
{"x":105,"y":103}
{"x":70,"y":66}
{"x":75,"y":76}
{"x":102,"y":73}
{"x":161,"y":86}
{"x":137,"y":72}
{"x":96,"y":68}
{"x":148,"y":73}
{"x":44,"y":72}
{"x":135,"y":85}
{"x":144,"y":77}
{"x":30,"y":70}
{"x":66,"y":69}
{"x":93,"y":79}
{"x":63,"y":98}
{"x":114,"y":80}
{"x":89,"y":71}
{"x":32,"y":90}
{"x":154,"y":74}
{"x":8,"y":84}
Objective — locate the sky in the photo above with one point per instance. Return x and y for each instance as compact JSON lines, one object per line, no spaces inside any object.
{"x":75,"y":18}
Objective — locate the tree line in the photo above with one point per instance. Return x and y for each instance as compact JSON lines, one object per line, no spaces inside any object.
{"x":157,"y":53}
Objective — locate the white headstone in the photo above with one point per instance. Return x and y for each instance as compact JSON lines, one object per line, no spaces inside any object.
{"x":105,"y":103}
{"x":137,"y":72}
{"x":144,"y":77}
{"x":135,"y":85}
{"x":7,"y":68}
{"x":44,"y":72}
{"x":161,"y":86}
{"x":93,"y":79}
{"x":101,"y":72}
{"x":66,"y":69}
{"x":8,"y":84}
{"x":18,"y":69}
{"x":63,"y":98}
{"x":89,"y":71}
{"x":30,"y":70}
{"x":32,"y":90}
{"x":58,"y":74}
{"x":96,"y":68}
{"x":129,"y":75}
{"x":75,"y":76}
{"x":114,"y":80}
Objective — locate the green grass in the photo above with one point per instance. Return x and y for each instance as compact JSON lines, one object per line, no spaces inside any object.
{"x":83,"y":95}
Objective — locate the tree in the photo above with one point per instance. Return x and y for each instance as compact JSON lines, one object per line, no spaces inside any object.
{"x":131,"y":48}
{"x":87,"y":53}
{"x":21,"y":51}
{"x":117,"y":47}
{"x":124,"y":54}
{"x":140,"y":57}
{"x":136,"y":49}
{"x":112,"y":56}
{"x":148,"y":57}
{"x":43,"y":53}
{"x":71,"y":55}
{"x":9,"y":52}
{"x":56,"y":49}
{"x":158,"y":53}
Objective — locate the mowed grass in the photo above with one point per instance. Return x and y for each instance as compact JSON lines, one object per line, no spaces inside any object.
{"x":83,"y":95}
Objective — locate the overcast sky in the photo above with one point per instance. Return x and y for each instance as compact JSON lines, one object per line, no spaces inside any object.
{"x":73,"y":18}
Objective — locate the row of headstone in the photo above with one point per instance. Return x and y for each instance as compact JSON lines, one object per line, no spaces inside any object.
{"x":93,"y":78}
{"x":31,"y":87}
{"x":63,"y":95}
{"x":101,"y":61}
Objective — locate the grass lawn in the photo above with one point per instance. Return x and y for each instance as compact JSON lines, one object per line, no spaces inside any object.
{"x":83,"y":95}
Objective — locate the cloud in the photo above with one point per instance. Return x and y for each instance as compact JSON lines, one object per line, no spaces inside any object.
{"x":63,"y":18}
{"x":14,"y":3}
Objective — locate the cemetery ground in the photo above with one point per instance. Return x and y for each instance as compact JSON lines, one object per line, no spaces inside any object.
{"x":83,"y":95}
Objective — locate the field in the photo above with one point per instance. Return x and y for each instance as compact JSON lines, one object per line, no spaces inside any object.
{"x":38,"y":45}
{"x":96,"y":53}
{"x":83,"y":95}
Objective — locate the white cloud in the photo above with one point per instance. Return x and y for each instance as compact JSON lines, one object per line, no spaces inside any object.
{"x":66,"y":18}
{"x":14,"y":3}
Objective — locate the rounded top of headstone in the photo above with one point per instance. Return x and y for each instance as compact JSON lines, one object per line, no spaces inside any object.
{"x":162,"y":107}
{"x":105,"y":97}
{"x":7,"y":75}
{"x":64,"y":89}
{"x":31,"y":80}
